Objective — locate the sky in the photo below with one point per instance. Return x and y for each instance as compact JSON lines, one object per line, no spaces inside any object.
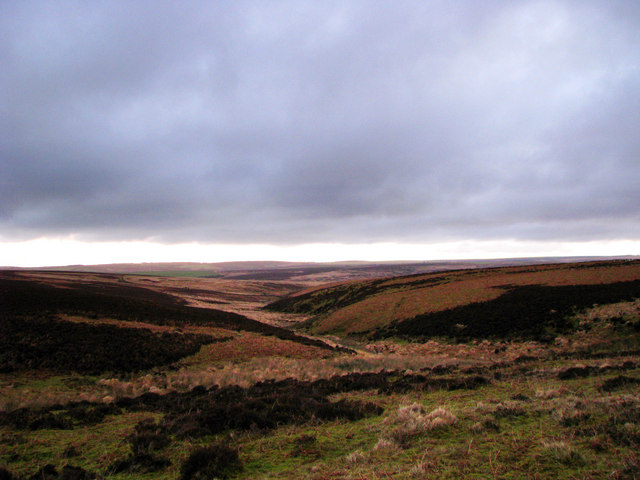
{"x":331,"y":130}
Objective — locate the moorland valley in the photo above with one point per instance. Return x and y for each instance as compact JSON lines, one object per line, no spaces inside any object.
{"x":258,"y":370}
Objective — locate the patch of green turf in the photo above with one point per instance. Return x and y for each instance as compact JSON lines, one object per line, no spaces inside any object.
{"x":98,"y":446}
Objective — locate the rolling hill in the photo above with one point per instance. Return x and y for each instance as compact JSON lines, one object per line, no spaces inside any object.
{"x":479,"y":303}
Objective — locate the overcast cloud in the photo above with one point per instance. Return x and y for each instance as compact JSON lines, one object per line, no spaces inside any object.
{"x":346,"y":121}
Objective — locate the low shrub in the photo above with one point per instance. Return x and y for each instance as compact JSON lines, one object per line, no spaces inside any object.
{"x":148,"y":442}
{"x":620,"y":381}
{"x":576,"y":372}
{"x":488,"y":424}
{"x":140,"y":463}
{"x":148,"y":438}
{"x":508,"y":409}
{"x":49,"y":472}
{"x":216,"y":461}
{"x":572,"y":417}
{"x":75,"y":473}
{"x":305,"y":445}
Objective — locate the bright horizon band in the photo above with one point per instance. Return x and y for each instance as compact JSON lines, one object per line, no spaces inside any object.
{"x":59,"y":252}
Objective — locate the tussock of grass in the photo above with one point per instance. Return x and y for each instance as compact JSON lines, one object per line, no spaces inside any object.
{"x":412,"y":420}
{"x":488,"y":424}
{"x":386,"y":444}
{"x":562,"y":452}
{"x":440,"y":418}
{"x":357,"y":457}
{"x":548,"y":393}
{"x":420,"y":469}
{"x":572,"y":417}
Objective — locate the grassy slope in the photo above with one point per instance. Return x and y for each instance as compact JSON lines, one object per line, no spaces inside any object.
{"x":363,"y":307}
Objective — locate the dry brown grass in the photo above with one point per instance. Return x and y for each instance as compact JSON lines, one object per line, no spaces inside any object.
{"x":600,"y":313}
{"x":247,"y":345}
{"x":548,"y":393}
{"x":412,"y":420}
{"x":356,"y":457}
{"x":461,"y":288}
{"x":562,"y":452}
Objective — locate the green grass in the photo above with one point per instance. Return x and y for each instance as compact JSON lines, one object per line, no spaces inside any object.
{"x":529,"y":439}
{"x":99,"y":445}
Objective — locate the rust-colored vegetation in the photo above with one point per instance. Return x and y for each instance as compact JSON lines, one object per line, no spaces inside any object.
{"x":404,"y":305}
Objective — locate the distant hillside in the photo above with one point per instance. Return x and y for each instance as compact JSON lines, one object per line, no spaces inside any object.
{"x":463,"y":304}
{"x":143,"y":268}
{"x":305,"y":272}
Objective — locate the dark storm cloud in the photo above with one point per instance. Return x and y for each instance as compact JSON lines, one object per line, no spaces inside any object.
{"x":320,"y":121}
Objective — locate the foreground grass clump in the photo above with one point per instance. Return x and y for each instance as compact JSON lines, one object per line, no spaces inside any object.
{"x":412,"y":420}
{"x":562,"y":452}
